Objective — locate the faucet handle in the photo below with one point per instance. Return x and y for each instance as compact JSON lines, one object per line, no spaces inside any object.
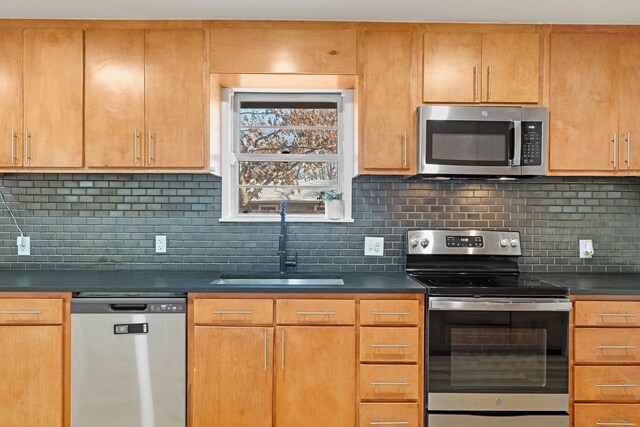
{"x":292,"y":262}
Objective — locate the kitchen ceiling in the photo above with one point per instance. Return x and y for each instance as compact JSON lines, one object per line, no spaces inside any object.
{"x":518,"y":11}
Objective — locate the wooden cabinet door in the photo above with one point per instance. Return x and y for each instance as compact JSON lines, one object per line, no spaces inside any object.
{"x":10,"y":97}
{"x":510,"y":67}
{"x":452,"y":67}
{"x":114,"y":98}
{"x":629,"y":151}
{"x":583,"y":110}
{"x":174,"y":98}
{"x":53,"y":97}
{"x":388,"y":118}
{"x":315,"y":376}
{"x":232,"y":382}
{"x":31,"y":376}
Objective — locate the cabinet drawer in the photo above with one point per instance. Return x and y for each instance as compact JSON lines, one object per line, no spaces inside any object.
{"x":389,"y":414}
{"x":607,"y":383}
{"x":389,"y":382}
{"x":31,"y":311}
{"x":389,"y":344}
{"x":389,"y":312}
{"x":315,"y":312}
{"x":604,"y":345}
{"x":233,"y":311}
{"x":607,"y":313}
{"x":587,"y":415}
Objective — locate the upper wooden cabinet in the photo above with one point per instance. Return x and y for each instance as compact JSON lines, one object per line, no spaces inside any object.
{"x":492,"y":67}
{"x":388,"y":101}
{"x":594,"y":87}
{"x":283,"y":50}
{"x":145,"y":93}
{"x":11,"y":98}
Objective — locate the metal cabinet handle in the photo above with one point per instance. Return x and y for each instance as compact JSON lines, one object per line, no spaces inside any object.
{"x":628,"y":161}
{"x":27,"y":156}
{"x":388,"y":423}
{"x":621,"y":423}
{"x":616,"y":347}
{"x":265,"y":351}
{"x":390,"y":313}
{"x":21,"y":312}
{"x":282,"y":350}
{"x":616,"y":385}
{"x":489,"y":78}
{"x":404,"y":153}
{"x":315,"y":313}
{"x":390,"y":383}
{"x":475,"y":82}
{"x":615,"y":150}
{"x":136,"y":155}
{"x":13,"y":146}
{"x":150,"y":155}
{"x":617,"y":314}
{"x":390,"y":345}
{"x":232,"y":312}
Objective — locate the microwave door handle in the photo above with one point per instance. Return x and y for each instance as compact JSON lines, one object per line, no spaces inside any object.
{"x":517,"y":144}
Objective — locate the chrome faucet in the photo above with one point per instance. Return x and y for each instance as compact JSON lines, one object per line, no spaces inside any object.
{"x":282,"y":243}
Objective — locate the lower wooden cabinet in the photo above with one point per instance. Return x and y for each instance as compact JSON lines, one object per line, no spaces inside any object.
{"x":389,"y":414}
{"x":586,"y":415}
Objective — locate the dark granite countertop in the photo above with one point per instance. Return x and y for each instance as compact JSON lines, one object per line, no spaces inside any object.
{"x":144,"y":281}
{"x":595,"y":283}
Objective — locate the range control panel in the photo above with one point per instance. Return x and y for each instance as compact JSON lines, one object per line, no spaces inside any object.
{"x":466,"y":242}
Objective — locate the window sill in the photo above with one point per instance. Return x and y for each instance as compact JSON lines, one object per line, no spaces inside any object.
{"x":290,"y":219}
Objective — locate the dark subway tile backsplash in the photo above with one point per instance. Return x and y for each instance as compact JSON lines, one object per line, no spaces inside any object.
{"x":109,"y":221}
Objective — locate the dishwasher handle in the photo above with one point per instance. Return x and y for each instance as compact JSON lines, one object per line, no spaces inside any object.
{"x":128,"y":307}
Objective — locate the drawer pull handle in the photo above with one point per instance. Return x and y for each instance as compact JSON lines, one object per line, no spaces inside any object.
{"x":616,"y":347}
{"x":390,"y":313}
{"x":622,"y":423}
{"x":390,"y":345}
{"x":403,"y":383}
{"x":316,"y":313}
{"x":617,"y":314}
{"x":615,"y":385}
{"x":21,"y":312}
{"x":389,"y":423}
{"x":232,"y":312}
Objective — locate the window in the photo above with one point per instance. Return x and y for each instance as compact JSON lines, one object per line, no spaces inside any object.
{"x":285,"y":147}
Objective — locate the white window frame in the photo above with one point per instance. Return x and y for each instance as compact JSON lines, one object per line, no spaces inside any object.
{"x":347,"y":147}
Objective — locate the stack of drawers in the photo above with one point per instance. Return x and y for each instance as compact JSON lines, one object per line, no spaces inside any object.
{"x":391,"y":355}
{"x":606,"y":366}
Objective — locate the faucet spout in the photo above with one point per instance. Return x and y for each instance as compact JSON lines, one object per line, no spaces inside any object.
{"x":282,"y":242}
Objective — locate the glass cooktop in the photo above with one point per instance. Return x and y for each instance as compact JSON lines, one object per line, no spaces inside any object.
{"x":480,"y":285}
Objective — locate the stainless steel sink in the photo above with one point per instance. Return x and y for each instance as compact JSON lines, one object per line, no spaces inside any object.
{"x":278,"y":280}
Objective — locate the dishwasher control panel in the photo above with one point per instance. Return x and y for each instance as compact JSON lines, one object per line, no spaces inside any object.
{"x":166,"y":308}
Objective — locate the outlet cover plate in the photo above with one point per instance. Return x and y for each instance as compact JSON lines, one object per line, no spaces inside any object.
{"x":24,"y":245}
{"x":374,"y":246}
{"x":586,"y":249}
{"x":161,"y":244}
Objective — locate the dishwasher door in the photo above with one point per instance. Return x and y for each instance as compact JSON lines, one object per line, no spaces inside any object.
{"x":128,"y":362}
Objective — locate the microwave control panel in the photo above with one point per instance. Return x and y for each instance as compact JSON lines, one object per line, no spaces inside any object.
{"x":531,"y":143}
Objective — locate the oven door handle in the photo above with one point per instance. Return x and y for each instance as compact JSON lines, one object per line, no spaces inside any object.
{"x":499,"y":304}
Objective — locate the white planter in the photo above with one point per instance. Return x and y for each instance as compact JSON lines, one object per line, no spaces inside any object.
{"x":333,"y":209}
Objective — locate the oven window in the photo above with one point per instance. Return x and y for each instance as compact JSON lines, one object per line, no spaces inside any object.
{"x":498,"y":357}
{"x":469,"y":143}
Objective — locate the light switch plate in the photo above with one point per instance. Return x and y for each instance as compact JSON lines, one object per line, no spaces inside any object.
{"x":374,"y":246}
{"x":24,"y":245}
{"x":161,"y":244}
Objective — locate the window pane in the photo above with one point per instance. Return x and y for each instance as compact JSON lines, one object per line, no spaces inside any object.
{"x":288,"y":141}
{"x":288,"y":114}
{"x":289,"y":173}
{"x":260,"y":200}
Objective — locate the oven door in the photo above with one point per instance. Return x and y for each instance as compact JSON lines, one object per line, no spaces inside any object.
{"x":497,"y":354}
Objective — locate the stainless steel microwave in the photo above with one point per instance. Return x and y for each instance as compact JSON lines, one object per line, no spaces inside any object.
{"x":482,"y":141}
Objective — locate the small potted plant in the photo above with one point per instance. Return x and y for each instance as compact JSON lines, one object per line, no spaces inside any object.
{"x":333,"y":204}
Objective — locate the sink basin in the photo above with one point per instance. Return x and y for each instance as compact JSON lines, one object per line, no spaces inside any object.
{"x":279,"y":280}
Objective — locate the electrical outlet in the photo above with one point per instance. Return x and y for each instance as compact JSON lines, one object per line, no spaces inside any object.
{"x":586,"y":248}
{"x":24,"y":245}
{"x":374,"y":246}
{"x":161,"y":244}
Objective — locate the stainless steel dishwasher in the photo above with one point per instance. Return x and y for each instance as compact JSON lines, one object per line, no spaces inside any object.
{"x":128,"y":361}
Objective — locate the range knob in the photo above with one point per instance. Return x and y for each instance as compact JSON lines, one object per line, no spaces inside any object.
{"x":424,"y":243}
{"x":504,"y":243}
{"x":413,"y":242}
{"x":513,"y":243}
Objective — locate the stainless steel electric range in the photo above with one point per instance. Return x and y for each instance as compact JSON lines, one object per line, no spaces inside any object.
{"x":496,"y":341}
